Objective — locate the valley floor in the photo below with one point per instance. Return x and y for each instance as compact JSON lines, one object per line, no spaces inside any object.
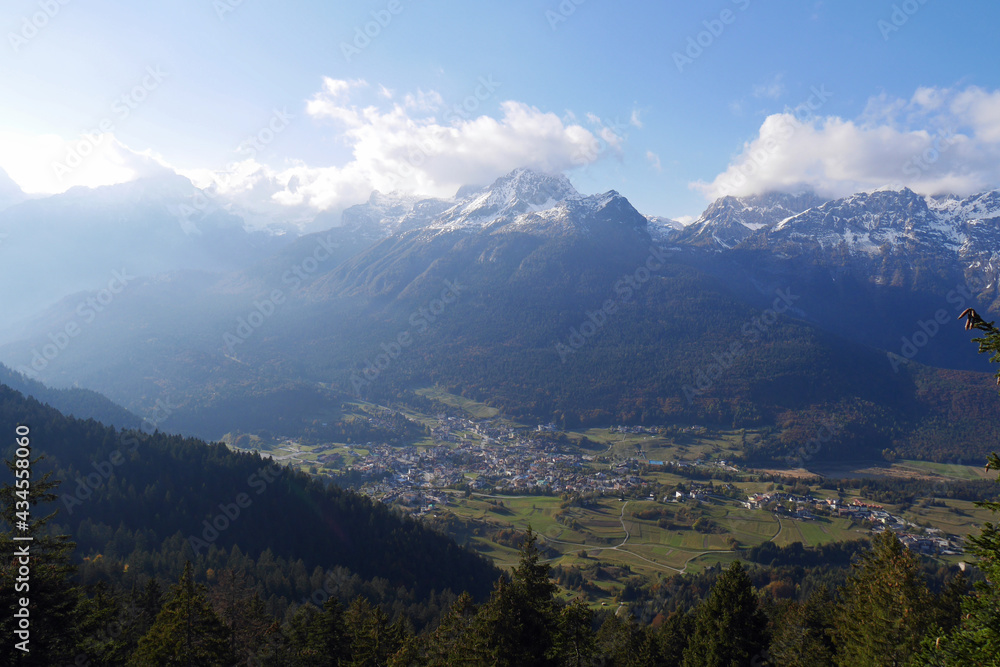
{"x":620,"y":501}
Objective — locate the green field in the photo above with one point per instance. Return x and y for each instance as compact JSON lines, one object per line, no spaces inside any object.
{"x":676,"y":447}
{"x":948,"y":470}
{"x":610,"y":532}
{"x":472,"y":408}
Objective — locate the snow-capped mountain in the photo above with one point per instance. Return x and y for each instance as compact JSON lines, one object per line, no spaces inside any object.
{"x":896,"y":232}
{"x":730,"y":220}
{"x":890,"y":236}
{"x":520,"y":192}
{"x":868,"y":223}
{"x":873,"y":222}
{"x":387,"y":214}
{"x":522,"y":200}
{"x":662,"y":228}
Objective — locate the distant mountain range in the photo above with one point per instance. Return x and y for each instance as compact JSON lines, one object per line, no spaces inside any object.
{"x":77,"y":240}
{"x":555,"y":305}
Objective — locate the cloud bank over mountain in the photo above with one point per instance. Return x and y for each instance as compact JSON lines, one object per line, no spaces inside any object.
{"x":940,"y":140}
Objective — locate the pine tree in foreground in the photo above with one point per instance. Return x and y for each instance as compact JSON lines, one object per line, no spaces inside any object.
{"x":186,"y":632}
{"x":885,"y":607}
{"x":54,"y":599}
{"x":730,"y":627}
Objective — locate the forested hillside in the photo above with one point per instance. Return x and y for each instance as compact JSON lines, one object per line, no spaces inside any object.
{"x":140,"y":505}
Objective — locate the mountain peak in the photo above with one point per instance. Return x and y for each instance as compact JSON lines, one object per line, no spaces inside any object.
{"x":730,"y":220}
{"x":531,"y":187}
{"x":513,"y":194}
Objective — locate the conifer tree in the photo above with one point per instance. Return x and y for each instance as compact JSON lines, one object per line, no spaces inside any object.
{"x":518,"y":625}
{"x":575,"y":641}
{"x":447,"y":645}
{"x":730,"y":627}
{"x":622,"y":642}
{"x":673,"y":636}
{"x":885,"y":607}
{"x":803,"y":633}
{"x":186,"y":632}
{"x":54,"y":600}
{"x":148,"y":603}
{"x":373,"y":638}
{"x":330,"y":634}
{"x":109,"y":627}
{"x":241,"y":609}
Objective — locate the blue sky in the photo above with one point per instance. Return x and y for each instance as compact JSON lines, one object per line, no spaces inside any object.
{"x":903,"y":93}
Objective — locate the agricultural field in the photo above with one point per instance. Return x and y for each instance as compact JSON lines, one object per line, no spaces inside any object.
{"x":687,"y":445}
{"x":472,"y":408}
{"x":611,"y":531}
{"x":903,"y":469}
{"x":612,"y":534}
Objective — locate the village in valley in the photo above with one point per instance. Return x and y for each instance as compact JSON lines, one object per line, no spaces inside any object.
{"x":661,"y":498}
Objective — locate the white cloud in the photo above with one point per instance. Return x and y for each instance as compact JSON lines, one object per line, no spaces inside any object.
{"x":48,"y":163}
{"x":423,"y":101}
{"x":981,"y":110}
{"x":928,"y":98}
{"x":408,"y":142}
{"x":938,"y":141}
{"x":636,"y":119}
{"x":329,"y":102}
{"x":405,"y":146}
